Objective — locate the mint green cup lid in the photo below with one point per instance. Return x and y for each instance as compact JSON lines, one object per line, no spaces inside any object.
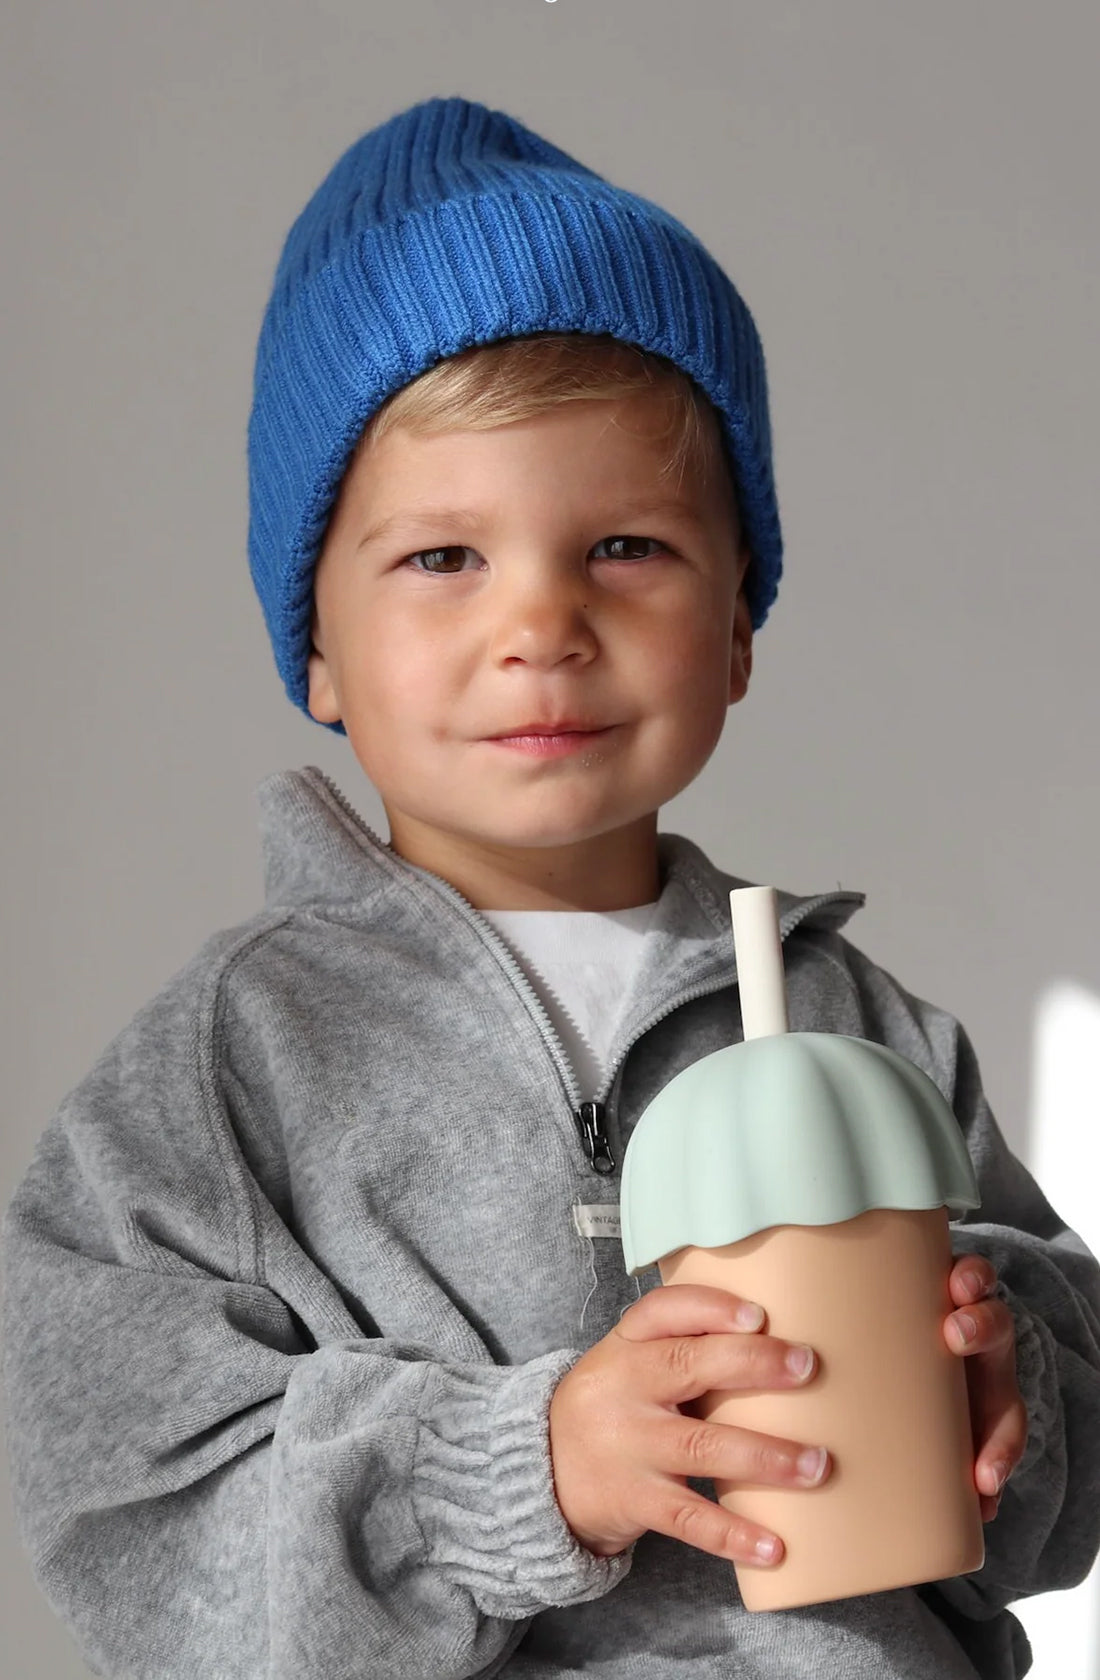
{"x":787,"y":1129}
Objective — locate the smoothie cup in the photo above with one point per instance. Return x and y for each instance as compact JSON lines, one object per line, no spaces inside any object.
{"x":816,"y":1173}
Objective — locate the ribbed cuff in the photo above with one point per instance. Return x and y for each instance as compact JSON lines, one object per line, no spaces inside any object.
{"x":483,"y":1491}
{"x":1032,"y":1364}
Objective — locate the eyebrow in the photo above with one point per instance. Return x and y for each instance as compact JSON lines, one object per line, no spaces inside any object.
{"x":471,"y":520}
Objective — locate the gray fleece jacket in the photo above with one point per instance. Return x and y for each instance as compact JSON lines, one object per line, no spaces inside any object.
{"x":294,"y":1270}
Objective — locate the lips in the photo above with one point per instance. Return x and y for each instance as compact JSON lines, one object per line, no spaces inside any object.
{"x":545,"y":741}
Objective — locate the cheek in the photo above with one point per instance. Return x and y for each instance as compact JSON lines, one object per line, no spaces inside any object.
{"x":400,"y":671}
{"x":408,"y":704}
{"x":690,"y":663}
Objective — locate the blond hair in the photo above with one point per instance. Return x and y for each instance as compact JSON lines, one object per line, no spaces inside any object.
{"x":510,"y":379}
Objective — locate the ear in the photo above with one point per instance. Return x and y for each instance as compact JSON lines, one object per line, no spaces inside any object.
{"x":322,"y":702}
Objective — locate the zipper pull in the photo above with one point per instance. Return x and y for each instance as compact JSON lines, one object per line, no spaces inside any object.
{"x":589,"y":1119}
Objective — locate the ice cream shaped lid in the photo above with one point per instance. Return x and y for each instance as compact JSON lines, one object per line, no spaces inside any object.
{"x":785,"y":1129}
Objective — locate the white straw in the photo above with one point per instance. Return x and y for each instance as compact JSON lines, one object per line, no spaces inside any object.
{"x":759,"y":952}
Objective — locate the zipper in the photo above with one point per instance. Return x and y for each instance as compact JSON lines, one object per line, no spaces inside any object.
{"x":589,"y":1117}
{"x":593,"y":1125}
{"x":787,"y":923}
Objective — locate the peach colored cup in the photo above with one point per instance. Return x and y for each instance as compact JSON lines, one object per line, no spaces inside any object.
{"x":888,"y":1399}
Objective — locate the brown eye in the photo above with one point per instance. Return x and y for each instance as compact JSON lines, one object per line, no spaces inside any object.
{"x":610,"y":541}
{"x":430,"y":554}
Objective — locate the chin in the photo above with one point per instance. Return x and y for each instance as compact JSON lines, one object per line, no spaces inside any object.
{"x":560,"y":832}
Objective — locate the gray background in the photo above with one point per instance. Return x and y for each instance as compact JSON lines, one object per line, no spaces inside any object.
{"x":906,"y":197}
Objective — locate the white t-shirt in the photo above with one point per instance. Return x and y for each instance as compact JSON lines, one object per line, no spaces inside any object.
{"x":582,"y":964}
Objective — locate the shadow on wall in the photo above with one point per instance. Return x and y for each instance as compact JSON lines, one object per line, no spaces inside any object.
{"x":1063,"y":1155}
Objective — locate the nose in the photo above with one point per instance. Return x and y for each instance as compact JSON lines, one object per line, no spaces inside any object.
{"x":542,"y":617}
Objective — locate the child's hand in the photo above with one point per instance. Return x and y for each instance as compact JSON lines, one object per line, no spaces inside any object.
{"x":986,"y":1334}
{"x":623,"y":1439}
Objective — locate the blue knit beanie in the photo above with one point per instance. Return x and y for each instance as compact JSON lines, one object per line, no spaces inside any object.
{"x":451,"y":225}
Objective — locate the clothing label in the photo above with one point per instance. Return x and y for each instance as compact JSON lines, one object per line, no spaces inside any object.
{"x":598,"y":1219}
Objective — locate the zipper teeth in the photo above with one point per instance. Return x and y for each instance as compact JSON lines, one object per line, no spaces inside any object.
{"x":346,"y":806}
{"x":546,"y":1027}
{"x":486,"y":928}
{"x":792,"y":918}
{"x":786,"y":924}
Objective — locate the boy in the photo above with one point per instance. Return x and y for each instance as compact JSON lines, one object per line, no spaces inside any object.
{"x":316,"y":1361}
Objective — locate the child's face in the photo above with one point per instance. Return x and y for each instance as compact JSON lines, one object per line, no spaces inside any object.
{"x":563,"y":598}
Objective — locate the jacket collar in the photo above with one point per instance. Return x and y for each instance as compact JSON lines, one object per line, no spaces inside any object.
{"x":318,"y":851}
{"x":321,"y":856}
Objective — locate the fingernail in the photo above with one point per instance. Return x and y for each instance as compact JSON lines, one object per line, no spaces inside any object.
{"x":767,"y":1549}
{"x":975,"y":1284}
{"x":800,"y":1361}
{"x":965,"y":1326}
{"x":811,"y":1464}
{"x":1000,"y":1475}
{"x":749,"y":1316}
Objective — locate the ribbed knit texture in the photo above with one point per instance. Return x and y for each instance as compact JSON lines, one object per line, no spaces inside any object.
{"x":452,"y":225}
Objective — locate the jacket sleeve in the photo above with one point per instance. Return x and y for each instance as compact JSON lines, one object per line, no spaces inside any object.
{"x":1046,"y":1533}
{"x":204,"y":1485}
